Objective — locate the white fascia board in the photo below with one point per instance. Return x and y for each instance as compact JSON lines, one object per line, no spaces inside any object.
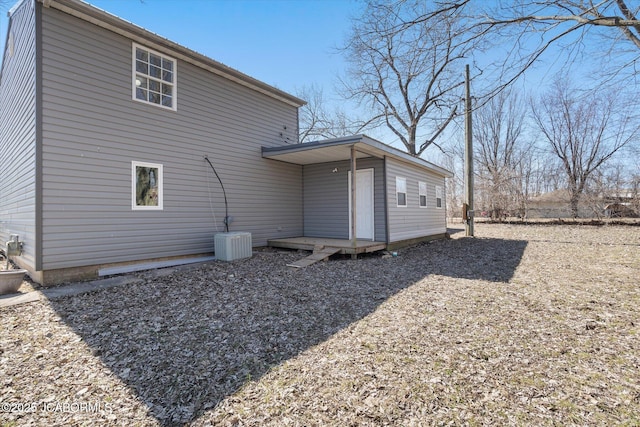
{"x":363,"y":144}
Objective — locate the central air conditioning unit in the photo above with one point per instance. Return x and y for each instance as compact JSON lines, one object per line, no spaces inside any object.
{"x":232,"y":246}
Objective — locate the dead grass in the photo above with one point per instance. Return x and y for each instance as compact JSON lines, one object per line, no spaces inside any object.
{"x":523,"y":325}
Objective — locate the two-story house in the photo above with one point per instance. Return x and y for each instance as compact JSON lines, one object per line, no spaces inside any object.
{"x":114,"y":143}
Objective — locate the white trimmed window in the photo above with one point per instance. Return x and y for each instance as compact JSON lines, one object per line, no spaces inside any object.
{"x":438,"y":197}
{"x":154,"y":78}
{"x":401,"y":191}
{"x":422,"y":194}
{"x":146,"y":186}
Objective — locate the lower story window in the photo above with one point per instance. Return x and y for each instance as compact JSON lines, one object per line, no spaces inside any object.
{"x":422,"y":194}
{"x":401,"y":191}
{"x":146,"y":186}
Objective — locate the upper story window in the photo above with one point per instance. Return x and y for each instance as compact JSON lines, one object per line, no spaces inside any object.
{"x":154,"y":77}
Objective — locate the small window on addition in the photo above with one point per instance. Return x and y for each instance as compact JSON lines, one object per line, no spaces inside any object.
{"x":146,"y":186}
{"x":422,"y":194}
{"x":401,"y":191}
{"x":438,"y":197}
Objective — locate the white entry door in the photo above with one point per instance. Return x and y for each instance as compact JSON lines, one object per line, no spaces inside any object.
{"x":364,"y":204}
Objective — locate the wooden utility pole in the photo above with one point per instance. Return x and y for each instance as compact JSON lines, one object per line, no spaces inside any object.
{"x":468,"y":161}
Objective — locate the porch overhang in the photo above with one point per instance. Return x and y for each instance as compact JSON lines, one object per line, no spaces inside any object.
{"x":339,"y":149}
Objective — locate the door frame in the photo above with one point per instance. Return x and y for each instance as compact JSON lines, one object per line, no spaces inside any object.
{"x":371,"y":173}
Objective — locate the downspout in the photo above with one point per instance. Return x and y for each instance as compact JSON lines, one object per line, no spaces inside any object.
{"x":38,"y":249}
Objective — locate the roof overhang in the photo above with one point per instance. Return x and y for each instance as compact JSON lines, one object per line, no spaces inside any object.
{"x":104,"y":19}
{"x":339,"y":149}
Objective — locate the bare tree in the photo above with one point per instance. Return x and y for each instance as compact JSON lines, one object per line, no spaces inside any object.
{"x":583,"y":131}
{"x":528,"y":174}
{"x":531,"y":27}
{"x":318,"y":119}
{"x":409,"y":73}
{"x":543,"y":16}
{"x":609,"y":191}
{"x":524,"y":30}
{"x":314,"y":121}
{"x":500,"y":153}
{"x":454,"y":161}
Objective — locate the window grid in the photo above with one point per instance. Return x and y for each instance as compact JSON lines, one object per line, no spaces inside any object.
{"x":154,"y":78}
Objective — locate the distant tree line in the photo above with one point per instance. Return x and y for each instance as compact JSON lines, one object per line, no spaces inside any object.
{"x":565,"y":145}
{"x":406,"y":60}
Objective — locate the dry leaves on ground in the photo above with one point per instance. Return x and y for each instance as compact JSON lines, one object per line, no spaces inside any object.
{"x":522,"y":325}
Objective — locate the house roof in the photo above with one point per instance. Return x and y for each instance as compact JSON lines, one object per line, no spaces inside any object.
{"x":104,"y":19}
{"x":337,"y":149}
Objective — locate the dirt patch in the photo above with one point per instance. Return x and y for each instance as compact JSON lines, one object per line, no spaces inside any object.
{"x":522,"y":325}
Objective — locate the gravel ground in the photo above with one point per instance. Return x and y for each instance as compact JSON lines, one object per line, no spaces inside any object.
{"x":522,"y":325}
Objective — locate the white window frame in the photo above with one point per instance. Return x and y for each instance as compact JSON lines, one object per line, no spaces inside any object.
{"x":401,"y":183}
{"x":137,"y":75}
{"x":422,"y":192}
{"x":134,"y":186}
{"x":439,"y":197}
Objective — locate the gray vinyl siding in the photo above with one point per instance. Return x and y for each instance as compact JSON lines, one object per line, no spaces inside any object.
{"x":93,"y":130}
{"x":326,"y":199}
{"x":18,"y":133}
{"x":413,"y":221}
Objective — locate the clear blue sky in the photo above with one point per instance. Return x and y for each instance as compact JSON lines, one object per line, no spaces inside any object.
{"x":285,"y":43}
